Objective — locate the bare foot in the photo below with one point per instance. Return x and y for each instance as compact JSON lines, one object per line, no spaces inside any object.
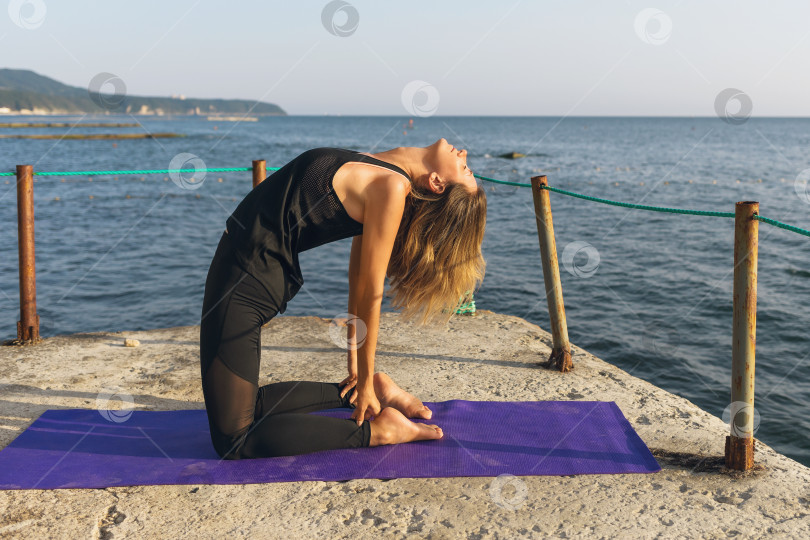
{"x":391,"y":395}
{"x":391,"y":427}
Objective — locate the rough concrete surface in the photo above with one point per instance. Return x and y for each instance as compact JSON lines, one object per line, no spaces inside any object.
{"x":486,"y":356}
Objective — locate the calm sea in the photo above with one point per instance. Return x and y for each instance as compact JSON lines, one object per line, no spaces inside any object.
{"x":650,"y":293}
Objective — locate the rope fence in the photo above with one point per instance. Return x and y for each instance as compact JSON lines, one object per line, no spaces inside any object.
{"x":143,"y":171}
{"x":686,"y":211}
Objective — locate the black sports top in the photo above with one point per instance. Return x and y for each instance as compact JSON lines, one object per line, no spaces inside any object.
{"x":293,"y":210}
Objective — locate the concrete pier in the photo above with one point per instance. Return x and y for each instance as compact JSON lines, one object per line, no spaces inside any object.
{"x":486,"y":356}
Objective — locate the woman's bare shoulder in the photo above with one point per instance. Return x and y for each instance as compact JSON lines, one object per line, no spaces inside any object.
{"x":384,"y":202}
{"x":388,"y":186}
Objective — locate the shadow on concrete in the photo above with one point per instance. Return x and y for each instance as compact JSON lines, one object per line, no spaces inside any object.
{"x":438,"y":357}
{"x":700,"y":463}
{"x":19,"y":415}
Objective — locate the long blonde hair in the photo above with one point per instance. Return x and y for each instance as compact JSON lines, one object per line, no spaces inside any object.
{"x":436,"y":263}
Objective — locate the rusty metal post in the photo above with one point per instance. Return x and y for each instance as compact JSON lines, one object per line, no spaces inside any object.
{"x":561,"y":348}
{"x":740,"y":444}
{"x":259,"y":171}
{"x":28,"y":325}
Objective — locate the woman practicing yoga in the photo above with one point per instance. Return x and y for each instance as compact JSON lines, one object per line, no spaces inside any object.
{"x":416,"y":215}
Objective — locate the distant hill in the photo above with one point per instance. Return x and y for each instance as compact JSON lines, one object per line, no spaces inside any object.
{"x":24,"y":92}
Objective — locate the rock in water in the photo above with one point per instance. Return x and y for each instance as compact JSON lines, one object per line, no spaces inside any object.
{"x":512,"y":155}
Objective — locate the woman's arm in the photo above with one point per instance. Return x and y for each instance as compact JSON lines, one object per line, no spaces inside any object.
{"x":385,"y":202}
{"x":351,"y":356}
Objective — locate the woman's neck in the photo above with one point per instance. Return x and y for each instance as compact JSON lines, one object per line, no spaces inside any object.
{"x":408,"y":158}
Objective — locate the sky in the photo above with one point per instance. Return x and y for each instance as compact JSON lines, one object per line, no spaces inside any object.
{"x":365,"y":57}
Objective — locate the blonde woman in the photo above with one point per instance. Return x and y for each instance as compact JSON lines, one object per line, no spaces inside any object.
{"x":417,"y":217}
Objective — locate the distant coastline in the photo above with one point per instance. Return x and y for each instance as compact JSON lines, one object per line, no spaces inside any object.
{"x":26,"y":93}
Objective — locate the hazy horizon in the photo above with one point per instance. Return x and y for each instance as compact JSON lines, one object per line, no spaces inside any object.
{"x":366,"y":58}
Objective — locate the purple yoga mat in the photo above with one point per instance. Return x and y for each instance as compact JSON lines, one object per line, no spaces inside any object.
{"x":79,"y":448}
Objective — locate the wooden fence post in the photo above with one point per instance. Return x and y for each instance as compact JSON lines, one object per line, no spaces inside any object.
{"x":561,"y":348}
{"x":28,"y":325}
{"x":259,"y":171}
{"x":740,"y":443}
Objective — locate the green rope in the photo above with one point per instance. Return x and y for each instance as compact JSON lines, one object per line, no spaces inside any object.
{"x":221,"y":169}
{"x":763,"y":219}
{"x":143,"y":171}
{"x":466,"y":307}
{"x":641,"y":206}
{"x":781,"y":225}
{"x":463,"y":309}
{"x":502,"y":181}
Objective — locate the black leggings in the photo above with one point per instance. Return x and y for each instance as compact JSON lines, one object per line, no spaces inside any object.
{"x":248,"y":421}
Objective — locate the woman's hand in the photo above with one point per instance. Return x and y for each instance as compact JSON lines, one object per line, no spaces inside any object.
{"x":350,"y":381}
{"x":366,"y":403}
